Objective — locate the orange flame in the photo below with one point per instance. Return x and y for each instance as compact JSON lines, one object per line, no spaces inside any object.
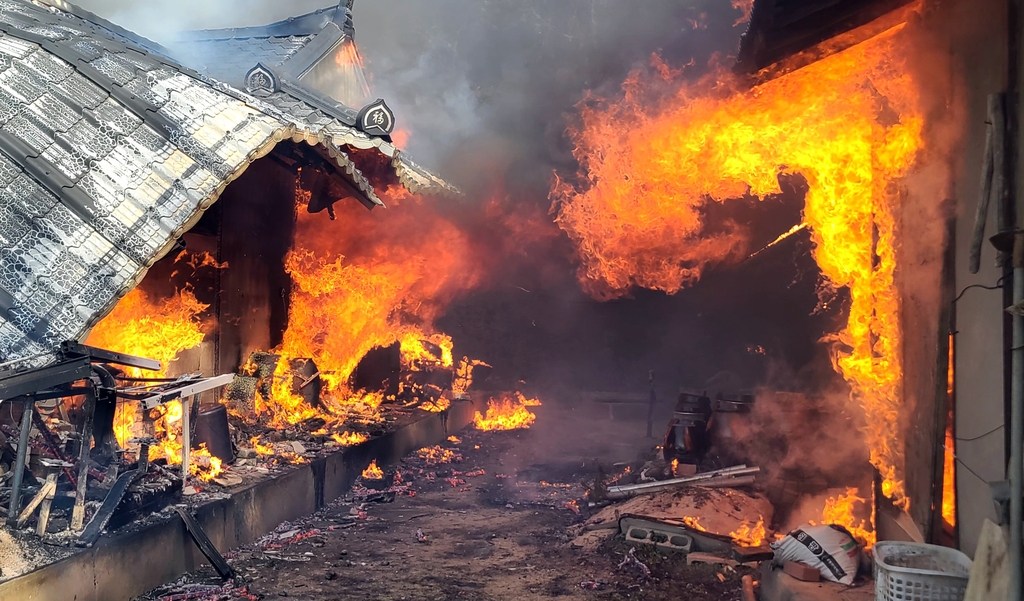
{"x":507,"y":414}
{"x":841,"y":511}
{"x":168,"y":429}
{"x":372,"y":472}
{"x":144,"y":327}
{"x":437,"y":406}
{"x":349,"y":439}
{"x":850,"y":124}
{"x":384,"y":281}
{"x":464,"y":375}
{"x":949,"y":455}
{"x":261,"y":449}
{"x":694,"y":523}
{"x":436,"y":455}
{"x":750,"y":535}
{"x":745,"y":7}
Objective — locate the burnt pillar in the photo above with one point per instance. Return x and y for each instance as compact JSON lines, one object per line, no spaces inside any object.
{"x":257,"y":226}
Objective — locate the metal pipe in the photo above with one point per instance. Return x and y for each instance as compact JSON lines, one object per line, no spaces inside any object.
{"x":19,"y":469}
{"x":186,"y":440}
{"x":1017,"y":425}
{"x":726,"y":482}
{"x":629,"y":490}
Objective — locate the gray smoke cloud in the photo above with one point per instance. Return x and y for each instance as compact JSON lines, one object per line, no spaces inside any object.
{"x":483,"y":86}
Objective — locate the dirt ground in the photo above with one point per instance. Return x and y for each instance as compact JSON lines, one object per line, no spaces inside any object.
{"x":494,"y":523}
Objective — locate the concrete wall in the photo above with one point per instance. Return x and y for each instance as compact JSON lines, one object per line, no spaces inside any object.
{"x":976,"y":34}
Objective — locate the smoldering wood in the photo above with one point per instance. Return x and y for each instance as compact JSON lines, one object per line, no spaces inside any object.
{"x":44,"y":510}
{"x":53,"y":446}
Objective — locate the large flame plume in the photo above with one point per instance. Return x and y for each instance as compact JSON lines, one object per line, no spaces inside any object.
{"x":157,"y":329}
{"x":367,"y":281}
{"x":850,"y":125}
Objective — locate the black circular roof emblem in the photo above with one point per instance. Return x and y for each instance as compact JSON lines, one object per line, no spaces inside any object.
{"x":376,"y":119}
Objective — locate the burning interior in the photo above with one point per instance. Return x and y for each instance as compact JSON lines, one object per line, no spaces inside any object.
{"x":215,"y":254}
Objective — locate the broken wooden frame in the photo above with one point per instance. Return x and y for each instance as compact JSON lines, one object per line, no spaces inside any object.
{"x":78,"y":363}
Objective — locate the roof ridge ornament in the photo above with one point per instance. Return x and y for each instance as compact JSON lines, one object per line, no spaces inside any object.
{"x":261,"y":79}
{"x":376,"y":119}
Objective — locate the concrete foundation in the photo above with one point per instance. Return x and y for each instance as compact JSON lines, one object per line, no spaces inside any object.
{"x":125,"y":565}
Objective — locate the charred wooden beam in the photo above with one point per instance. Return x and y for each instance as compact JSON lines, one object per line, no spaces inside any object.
{"x":74,"y":350}
{"x":205,"y":544}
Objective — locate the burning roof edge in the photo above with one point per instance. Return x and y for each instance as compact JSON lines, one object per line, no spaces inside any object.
{"x":779,"y":30}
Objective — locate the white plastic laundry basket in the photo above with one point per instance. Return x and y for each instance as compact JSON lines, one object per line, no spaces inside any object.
{"x":919,"y":572}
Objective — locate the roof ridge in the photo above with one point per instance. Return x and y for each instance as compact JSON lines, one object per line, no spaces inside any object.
{"x":308,"y":24}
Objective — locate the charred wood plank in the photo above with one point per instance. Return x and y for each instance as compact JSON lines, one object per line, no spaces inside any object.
{"x":48,"y":489}
{"x":205,"y":545}
{"x":74,"y":349}
{"x":52,"y":445}
{"x":78,"y":513}
{"x":19,"y":468}
{"x":44,"y":511}
{"x":114,"y":497}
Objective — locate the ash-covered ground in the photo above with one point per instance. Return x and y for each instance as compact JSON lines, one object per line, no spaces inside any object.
{"x":485,"y":516}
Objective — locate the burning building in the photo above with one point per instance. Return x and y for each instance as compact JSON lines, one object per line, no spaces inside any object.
{"x":135,"y":224}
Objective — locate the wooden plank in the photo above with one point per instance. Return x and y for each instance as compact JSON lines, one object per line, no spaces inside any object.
{"x":49,"y":487}
{"x":44,"y":511}
{"x":78,"y":513}
{"x":205,"y":545}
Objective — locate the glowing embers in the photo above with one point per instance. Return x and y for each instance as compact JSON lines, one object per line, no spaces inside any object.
{"x":850,"y":124}
{"x":507,"y":413}
{"x":438,"y":455}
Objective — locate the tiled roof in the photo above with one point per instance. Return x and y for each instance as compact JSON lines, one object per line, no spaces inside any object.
{"x":228,"y":60}
{"x":109,"y":151}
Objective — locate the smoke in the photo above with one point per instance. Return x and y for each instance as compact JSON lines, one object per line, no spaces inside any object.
{"x":467,"y":77}
{"x":162,"y":20}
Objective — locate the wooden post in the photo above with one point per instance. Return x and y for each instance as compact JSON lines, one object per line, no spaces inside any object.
{"x":19,"y":468}
{"x":44,"y":511}
{"x":48,"y":489}
{"x":78,"y":514}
